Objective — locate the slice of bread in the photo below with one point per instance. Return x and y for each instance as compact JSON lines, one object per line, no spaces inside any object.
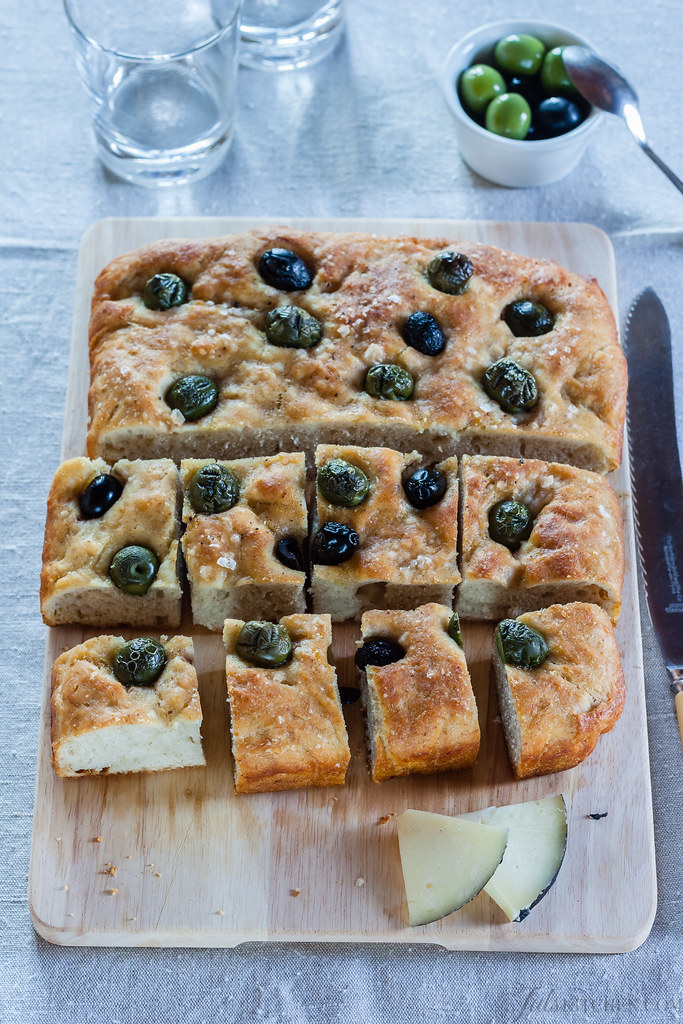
{"x":421,"y":711}
{"x":75,"y":585}
{"x":554,"y":715}
{"x":287,"y":725}
{"x":100,"y":726}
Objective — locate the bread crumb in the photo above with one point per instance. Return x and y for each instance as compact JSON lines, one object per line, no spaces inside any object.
{"x":157,"y":874}
{"x":221,"y":913}
{"x":359,"y":883}
{"x":111,"y":870}
{"x":97,"y":839}
{"x":295,"y":892}
{"x":111,"y":892}
{"x":58,"y":839}
{"x":385,"y":818}
{"x":65,"y":888}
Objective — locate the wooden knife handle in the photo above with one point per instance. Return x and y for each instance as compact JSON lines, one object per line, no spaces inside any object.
{"x":679,"y":712}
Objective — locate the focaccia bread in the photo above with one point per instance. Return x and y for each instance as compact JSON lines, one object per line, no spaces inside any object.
{"x":102,"y":726}
{"x":231,"y":556}
{"x":362,"y":290}
{"x":77,"y":554}
{"x":287,"y":725}
{"x":574,"y":549}
{"x":554,"y":715}
{"x":421,"y":711}
{"x":406,"y":555}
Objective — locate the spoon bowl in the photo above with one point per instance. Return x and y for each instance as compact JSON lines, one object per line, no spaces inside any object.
{"x":607,"y":89}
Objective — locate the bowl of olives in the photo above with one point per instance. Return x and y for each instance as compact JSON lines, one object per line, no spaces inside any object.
{"x":519,"y":120}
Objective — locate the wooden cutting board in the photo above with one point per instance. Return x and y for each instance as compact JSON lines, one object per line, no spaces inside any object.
{"x":176,"y":859}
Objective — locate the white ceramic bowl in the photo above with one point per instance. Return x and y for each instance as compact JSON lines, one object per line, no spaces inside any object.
{"x":518,"y":164}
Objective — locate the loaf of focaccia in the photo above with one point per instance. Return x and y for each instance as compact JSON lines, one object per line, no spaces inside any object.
{"x":362,"y":290}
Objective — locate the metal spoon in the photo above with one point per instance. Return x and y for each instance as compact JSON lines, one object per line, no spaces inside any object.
{"x":604,"y":87}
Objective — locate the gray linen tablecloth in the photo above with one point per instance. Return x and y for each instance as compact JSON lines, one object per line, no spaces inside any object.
{"x":365,"y":133}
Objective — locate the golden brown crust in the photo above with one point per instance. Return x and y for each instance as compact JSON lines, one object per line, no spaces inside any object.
{"x":576,"y":542}
{"x":365,"y":288}
{"x":577,"y":693}
{"x":287,"y":726}
{"x":77,"y":553}
{"x":398,"y":543}
{"x":238,"y":546}
{"x":86,"y":695}
{"x":422,"y":716}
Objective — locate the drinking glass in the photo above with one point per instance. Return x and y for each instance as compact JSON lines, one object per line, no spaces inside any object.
{"x":279,"y":35}
{"x":160,"y":77}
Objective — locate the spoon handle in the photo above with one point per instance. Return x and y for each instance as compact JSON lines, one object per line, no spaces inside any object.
{"x":660,"y":163}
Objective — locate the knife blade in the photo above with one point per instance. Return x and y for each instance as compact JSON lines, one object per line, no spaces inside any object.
{"x":656,"y":478}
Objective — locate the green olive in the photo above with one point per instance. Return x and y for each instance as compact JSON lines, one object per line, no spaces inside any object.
{"x":554,"y":75}
{"x":509,"y":115}
{"x":165,"y":290}
{"x":387,"y":380}
{"x":453,"y":629}
{"x":291,"y":327}
{"x":520,"y":54}
{"x":194,"y":395}
{"x":479,"y":85}
{"x":520,"y":645}
{"x":528,"y":319}
{"x":214,"y":488}
{"x":140,"y":662}
{"x":513,"y":387}
{"x":450,"y":272}
{"x":342,"y":483}
{"x":266,"y":644}
{"x":510,"y":522}
{"x":133,"y":569}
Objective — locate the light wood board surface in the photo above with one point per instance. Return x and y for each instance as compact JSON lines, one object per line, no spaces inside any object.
{"x":198,"y":866}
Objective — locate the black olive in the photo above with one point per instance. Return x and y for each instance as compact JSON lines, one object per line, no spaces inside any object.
{"x":140,"y":662}
{"x":342,"y":483}
{"x":510,"y":522}
{"x":334,"y":543}
{"x":425,"y":487}
{"x":390,"y":381}
{"x":528,"y":319}
{"x":288,"y":552}
{"x":194,"y":395}
{"x":214,"y":488}
{"x":266,"y":644}
{"x":133,"y":569}
{"x":378,"y":651}
{"x":450,"y":272}
{"x":520,"y":645}
{"x":422,"y":332}
{"x":513,"y":387}
{"x":291,"y":327}
{"x":165,"y":290}
{"x":283,"y":269}
{"x":556,"y":116}
{"x":528,"y":86}
{"x":349,"y":694}
{"x":453,"y":629}
{"x":98,"y":497}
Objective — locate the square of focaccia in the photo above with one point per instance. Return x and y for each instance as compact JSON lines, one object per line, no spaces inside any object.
{"x":77,"y":554}
{"x":231,"y":556}
{"x":553,"y":715}
{"x":101,"y":726}
{"x":575,"y":551}
{"x":406,"y":556}
{"x":421,"y":711}
{"x":287,"y":725}
{"x":363,"y":290}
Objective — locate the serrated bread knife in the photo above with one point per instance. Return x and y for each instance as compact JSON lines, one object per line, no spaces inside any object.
{"x":656,"y":478}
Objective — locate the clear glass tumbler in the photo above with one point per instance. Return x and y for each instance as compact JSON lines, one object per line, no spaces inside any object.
{"x":160,"y":77}
{"x":280,"y":35}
